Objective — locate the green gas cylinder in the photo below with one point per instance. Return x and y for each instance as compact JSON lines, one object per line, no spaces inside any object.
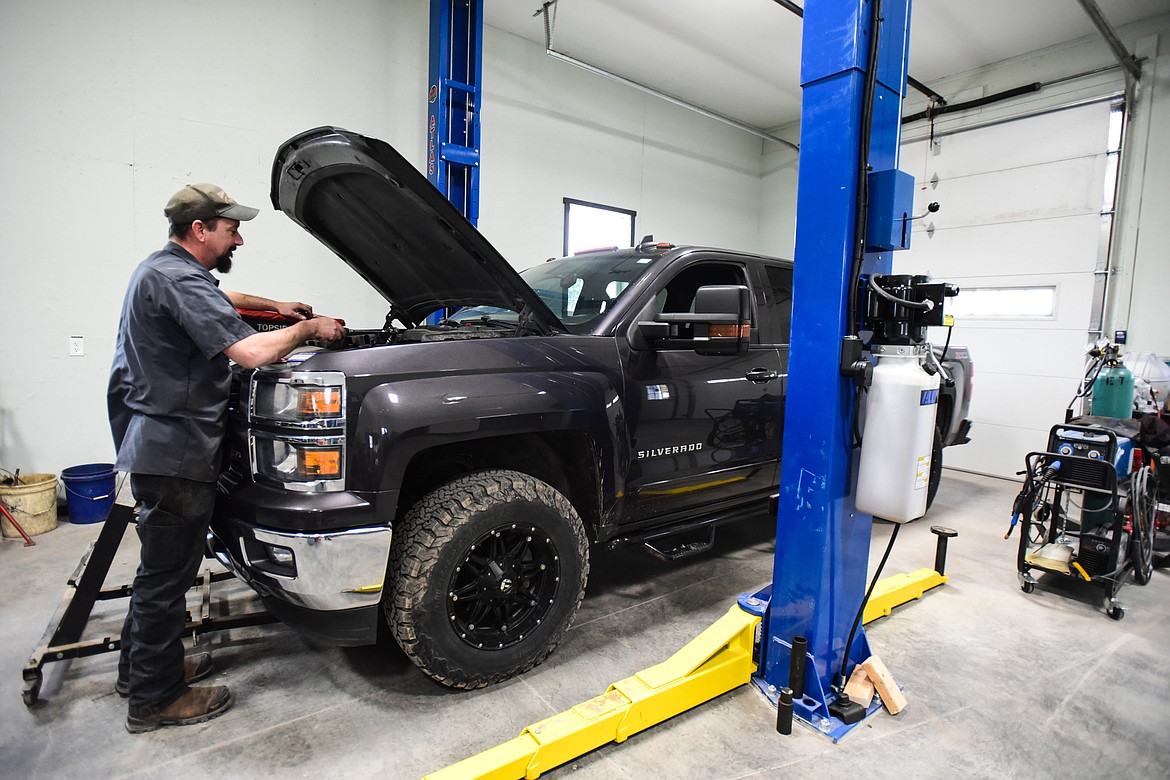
{"x":1113,"y":392}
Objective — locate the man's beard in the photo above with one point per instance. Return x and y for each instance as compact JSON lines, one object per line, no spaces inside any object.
{"x":224,"y":263}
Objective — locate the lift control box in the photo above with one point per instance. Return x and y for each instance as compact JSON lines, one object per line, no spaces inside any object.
{"x":891,"y":202}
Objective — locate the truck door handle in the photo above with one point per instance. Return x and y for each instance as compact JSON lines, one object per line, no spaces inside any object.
{"x":761,"y":375}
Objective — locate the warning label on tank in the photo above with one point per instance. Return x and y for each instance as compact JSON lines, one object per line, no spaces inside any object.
{"x":922,"y":477}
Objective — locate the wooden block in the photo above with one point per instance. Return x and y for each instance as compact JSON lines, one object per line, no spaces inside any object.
{"x":883,"y":681}
{"x":859,"y":687}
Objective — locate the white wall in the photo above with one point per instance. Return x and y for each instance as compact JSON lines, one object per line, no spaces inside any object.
{"x":111,"y":107}
{"x":1041,"y":216}
{"x":1143,"y":255}
{"x":1021,"y":207}
{"x":778,"y":195}
{"x":108,"y":109}
{"x":552,"y":130}
{"x":1140,"y":256}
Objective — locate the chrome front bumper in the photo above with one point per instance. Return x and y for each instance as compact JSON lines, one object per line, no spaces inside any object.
{"x":331,"y":571}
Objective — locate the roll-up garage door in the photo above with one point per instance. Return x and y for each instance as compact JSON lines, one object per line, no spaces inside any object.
{"x":1021,"y":228}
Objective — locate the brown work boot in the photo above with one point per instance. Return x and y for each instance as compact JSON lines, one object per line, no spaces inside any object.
{"x":195,"y":668}
{"x":194,"y":706}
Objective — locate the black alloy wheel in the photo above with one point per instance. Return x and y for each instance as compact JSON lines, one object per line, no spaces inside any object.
{"x":504,"y":587}
{"x":485,"y":574}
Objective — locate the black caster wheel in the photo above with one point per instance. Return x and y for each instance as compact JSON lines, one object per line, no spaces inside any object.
{"x":1028,"y":587}
{"x":32,"y":690}
{"x":1117,"y":612}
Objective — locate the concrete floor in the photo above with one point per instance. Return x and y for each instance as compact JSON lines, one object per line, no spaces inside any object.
{"x":1000,"y":684}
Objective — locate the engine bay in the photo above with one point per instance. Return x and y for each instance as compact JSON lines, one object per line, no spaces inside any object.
{"x":357,"y":339}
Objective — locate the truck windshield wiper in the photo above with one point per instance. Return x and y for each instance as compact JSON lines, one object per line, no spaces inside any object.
{"x":486,"y":319}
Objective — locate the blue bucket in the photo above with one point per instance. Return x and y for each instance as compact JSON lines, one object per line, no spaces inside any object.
{"x":89,"y":491}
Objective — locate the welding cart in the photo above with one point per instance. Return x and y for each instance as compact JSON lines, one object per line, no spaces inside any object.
{"x":1087,"y":508}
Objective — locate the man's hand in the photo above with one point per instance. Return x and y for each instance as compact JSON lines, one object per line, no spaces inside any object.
{"x":326,"y":329}
{"x":270,"y":346}
{"x":294,"y":309}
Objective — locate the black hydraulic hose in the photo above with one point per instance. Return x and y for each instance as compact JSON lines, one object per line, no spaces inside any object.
{"x":857,"y":417}
{"x":1086,"y":382}
{"x":936,"y":111}
{"x":866,"y":126}
{"x":841,"y":678}
{"x":1024,"y":504}
{"x":926,"y":305}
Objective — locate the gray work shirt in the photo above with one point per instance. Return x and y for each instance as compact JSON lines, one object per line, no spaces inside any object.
{"x":169,"y":383}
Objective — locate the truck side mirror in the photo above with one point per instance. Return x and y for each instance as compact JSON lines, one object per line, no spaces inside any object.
{"x":727,"y":313}
{"x":719,"y":325}
{"x":645,"y":335}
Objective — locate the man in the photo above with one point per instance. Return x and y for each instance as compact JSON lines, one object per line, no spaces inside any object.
{"x":167,"y":401}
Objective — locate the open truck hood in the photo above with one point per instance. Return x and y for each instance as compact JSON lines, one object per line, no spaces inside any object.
{"x":363,"y":200}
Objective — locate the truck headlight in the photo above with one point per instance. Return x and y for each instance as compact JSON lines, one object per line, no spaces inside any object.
{"x":299,"y":436}
{"x":306,"y":399}
{"x":308,"y":463}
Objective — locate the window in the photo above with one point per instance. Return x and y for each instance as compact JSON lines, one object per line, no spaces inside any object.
{"x":679,"y":294}
{"x":594,"y":226}
{"x":576,"y":289}
{"x":1019,"y":303}
{"x":779,"y":301}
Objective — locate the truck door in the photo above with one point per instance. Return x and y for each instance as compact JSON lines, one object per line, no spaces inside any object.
{"x":705,"y":428}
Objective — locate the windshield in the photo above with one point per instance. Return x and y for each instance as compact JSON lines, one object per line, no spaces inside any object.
{"x":577,"y":289}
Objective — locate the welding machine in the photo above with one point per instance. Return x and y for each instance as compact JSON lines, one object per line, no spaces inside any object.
{"x":1084,"y":510}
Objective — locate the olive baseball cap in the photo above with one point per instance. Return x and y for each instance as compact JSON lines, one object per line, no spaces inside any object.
{"x":204,"y":202}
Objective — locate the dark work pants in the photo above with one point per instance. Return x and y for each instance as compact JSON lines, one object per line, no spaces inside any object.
{"x":172,"y":526}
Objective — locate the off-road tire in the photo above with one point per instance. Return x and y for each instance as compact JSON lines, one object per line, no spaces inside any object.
{"x":936,"y":465}
{"x":508,"y":518}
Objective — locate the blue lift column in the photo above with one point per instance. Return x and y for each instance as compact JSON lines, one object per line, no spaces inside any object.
{"x":453,"y":100}
{"x":822,"y":541}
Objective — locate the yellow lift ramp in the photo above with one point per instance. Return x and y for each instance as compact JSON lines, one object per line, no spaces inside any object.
{"x":713,"y":663}
{"x":897,"y":589}
{"x":716,"y":661}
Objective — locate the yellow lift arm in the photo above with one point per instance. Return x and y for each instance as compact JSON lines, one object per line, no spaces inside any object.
{"x":716,"y":661}
{"x":719,"y":659}
{"x":897,"y":589}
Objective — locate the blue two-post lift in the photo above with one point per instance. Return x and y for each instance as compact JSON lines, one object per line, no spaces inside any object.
{"x":822,"y":539}
{"x":453,"y":101}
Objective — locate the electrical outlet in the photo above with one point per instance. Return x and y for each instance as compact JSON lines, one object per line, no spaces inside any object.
{"x":77,"y":346}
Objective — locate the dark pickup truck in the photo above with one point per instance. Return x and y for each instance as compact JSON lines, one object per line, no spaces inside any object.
{"x":453,"y":476}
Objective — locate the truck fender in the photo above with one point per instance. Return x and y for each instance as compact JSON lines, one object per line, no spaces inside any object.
{"x":398,"y":420}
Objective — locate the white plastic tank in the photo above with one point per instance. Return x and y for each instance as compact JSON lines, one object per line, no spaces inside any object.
{"x":900,"y":408}
{"x":1152,"y":376}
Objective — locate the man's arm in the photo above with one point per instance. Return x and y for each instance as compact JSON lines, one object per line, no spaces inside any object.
{"x":262,"y":348}
{"x":294,"y":309}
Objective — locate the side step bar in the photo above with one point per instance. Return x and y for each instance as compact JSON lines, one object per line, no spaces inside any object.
{"x":665,"y":543}
{"x":681,"y":549}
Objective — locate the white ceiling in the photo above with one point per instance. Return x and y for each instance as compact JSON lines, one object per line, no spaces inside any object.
{"x":741,"y":58}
